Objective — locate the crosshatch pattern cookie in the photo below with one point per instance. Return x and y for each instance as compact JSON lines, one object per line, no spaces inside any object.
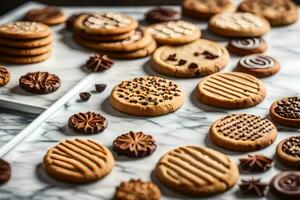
{"x":203,"y":9}
{"x":278,"y":12}
{"x":134,"y":144}
{"x":288,"y":152}
{"x":247,"y":46}
{"x":238,"y":25}
{"x":4,"y":76}
{"x":258,"y":65}
{"x":243,"y":132}
{"x":231,"y":90}
{"x":105,"y":23}
{"x":286,"y":185}
{"x":87,"y":123}
{"x":200,"y":58}
{"x":78,"y":161}
{"x":197,"y":171}
{"x":147,"y":96}
{"x":174,"y":32}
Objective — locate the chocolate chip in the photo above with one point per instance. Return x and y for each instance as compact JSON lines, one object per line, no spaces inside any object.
{"x":193,"y":66}
{"x":182,"y":62}
{"x":85,"y":96}
{"x":209,"y":55}
{"x":100,"y":87}
{"x":196,"y":54}
{"x":172,"y":57}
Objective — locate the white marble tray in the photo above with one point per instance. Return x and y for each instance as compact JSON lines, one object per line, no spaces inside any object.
{"x":187,"y":126}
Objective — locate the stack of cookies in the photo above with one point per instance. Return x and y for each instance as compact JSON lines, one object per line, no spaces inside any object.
{"x":114,"y":34}
{"x":25,"y":42}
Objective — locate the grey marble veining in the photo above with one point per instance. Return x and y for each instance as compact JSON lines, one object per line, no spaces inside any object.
{"x":187,"y":126}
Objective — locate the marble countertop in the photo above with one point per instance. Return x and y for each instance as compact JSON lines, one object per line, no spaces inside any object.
{"x":187,"y":126}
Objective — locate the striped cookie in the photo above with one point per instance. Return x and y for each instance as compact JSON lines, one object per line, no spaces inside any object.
{"x":78,"y":161}
{"x":197,"y":171}
{"x":231,"y":90}
{"x":243,"y":132}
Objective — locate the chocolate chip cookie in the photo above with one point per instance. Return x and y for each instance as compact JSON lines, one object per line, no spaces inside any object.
{"x":288,"y":152}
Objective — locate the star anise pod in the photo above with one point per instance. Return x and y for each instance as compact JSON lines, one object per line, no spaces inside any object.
{"x":99,"y":62}
{"x":253,"y":187}
{"x":257,"y":163}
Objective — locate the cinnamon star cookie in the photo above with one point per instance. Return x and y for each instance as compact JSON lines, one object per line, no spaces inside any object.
{"x":137,"y":190}
{"x":87,"y":123}
{"x":258,"y":65}
{"x":286,"y":111}
{"x":78,"y":161}
{"x":278,"y":12}
{"x":197,"y":171}
{"x":231,"y":90}
{"x":286,"y":185}
{"x":134,"y":144}
{"x":288,"y":152}
{"x":4,"y":76}
{"x":204,"y":9}
{"x":40,"y":82}
{"x":247,"y":46}
{"x":5,"y":171}
{"x":200,"y":58}
{"x":238,"y":25}
{"x":147,"y":96}
{"x":243,"y":132}
{"x":174,"y":32}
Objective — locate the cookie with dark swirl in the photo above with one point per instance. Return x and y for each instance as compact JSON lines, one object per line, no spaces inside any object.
{"x":286,"y":184}
{"x":288,"y":152}
{"x":87,"y":123}
{"x":258,"y":65}
{"x":247,"y":46}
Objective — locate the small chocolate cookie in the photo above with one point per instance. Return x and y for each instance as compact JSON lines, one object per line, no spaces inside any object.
{"x":288,"y":152}
{"x":137,"y":190}
{"x":247,"y":46}
{"x":134,"y":144}
{"x":99,"y":63}
{"x":258,"y":65}
{"x":87,"y":123}
{"x":286,"y":111}
{"x":286,"y":185}
{"x":162,"y":14}
{"x":49,"y":15}
{"x":4,"y":76}
{"x":40,"y":82}
{"x":5,"y":171}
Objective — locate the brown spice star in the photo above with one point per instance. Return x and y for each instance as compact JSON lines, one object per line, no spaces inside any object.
{"x":258,"y":163}
{"x":99,"y":62}
{"x":253,"y":187}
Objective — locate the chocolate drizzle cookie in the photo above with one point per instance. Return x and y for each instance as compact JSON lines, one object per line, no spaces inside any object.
{"x":288,"y":152}
{"x":247,"y":46}
{"x":4,"y":76}
{"x":134,"y":144}
{"x":40,"y":82}
{"x":162,"y":14}
{"x":147,"y":96}
{"x":87,"y":123}
{"x":243,"y":132}
{"x":286,"y":184}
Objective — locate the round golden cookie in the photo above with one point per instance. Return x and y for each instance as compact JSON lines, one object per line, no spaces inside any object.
{"x":204,"y":9}
{"x":174,"y":32}
{"x":238,"y":25}
{"x":140,"y":39}
{"x":288,"y":152}
{"x":24,"y":59}
{"x":286,"y":111}
{"x":277,"y":12}
{"x":197,"y":171}
{"x":78,"y":161}
{"x":25,"y":51}
{"x":243,"y":132}
{"x":109,"y":38}
{"x":258,"y":65}
{"x":200,"y":58}
{"x":231,"y":90}
{"x":24,"y":30}
{"x":105,"y":24}
{"x":147,"y":96}
{"x":26,"y":43}
{"x":4,"y":76}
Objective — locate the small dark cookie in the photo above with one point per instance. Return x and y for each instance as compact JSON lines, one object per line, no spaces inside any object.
{"x":4,"y":76}
{"x":87,"y":123}
{"x":5,"y":171}
{"x":85,"y":96}
{"x":134,"y":144}
{"x":286,"y":185}
{"x":288,"y":152}
{"x":137,"y":190}
{"x":40,"y":82}
{"x":99,"y":62}
{"x":162,"y":14}
{"x":100,"y":87}
{"x":247,"y":46}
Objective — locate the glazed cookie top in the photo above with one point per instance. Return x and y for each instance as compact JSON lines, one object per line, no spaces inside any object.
{"x":105,"y":23}
{"x":286,"y":184}
{"x":24,"y":30}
